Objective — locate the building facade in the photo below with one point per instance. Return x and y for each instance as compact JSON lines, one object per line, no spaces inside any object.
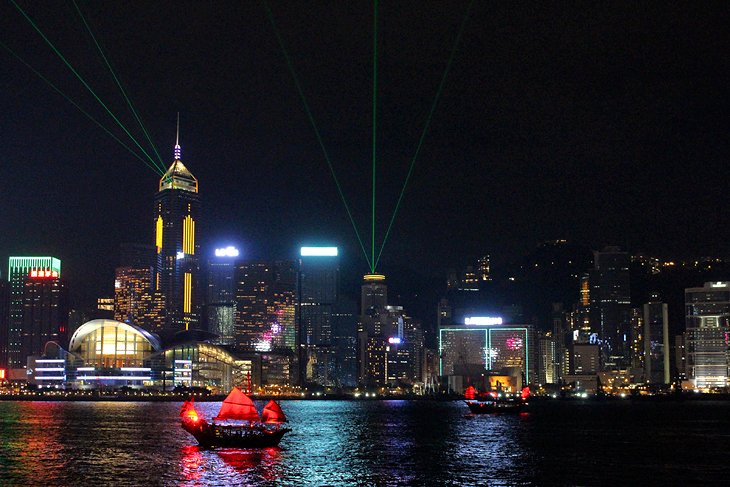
{"x":20,"y":332}
{"x":318,"y":293}
{"x":176,"y":220}
{"x":656,"y":341}
{"x":480,"y":346}
{"x":707,"y":315}
{"x":220,"y":300}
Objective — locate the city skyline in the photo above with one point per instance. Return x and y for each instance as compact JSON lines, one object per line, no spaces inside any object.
{"x":582,"y":125}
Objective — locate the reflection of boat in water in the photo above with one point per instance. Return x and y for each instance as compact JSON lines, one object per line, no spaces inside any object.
{"x":237,"y":424}
{"x":495,"y":401}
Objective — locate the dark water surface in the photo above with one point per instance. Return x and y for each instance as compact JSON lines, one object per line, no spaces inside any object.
{"x":373,"y":443}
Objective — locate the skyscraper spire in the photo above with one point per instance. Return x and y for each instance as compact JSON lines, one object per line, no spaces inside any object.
{"x":178,"y":151}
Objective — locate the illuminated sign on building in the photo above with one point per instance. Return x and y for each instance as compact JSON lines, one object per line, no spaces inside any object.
{"x":2,"y":374}
{"x":483,"y":320}
{"x":43,"y":274}
{"x":394,"y":340}
{"x":229,"y":251}
{"x":318,"y":252}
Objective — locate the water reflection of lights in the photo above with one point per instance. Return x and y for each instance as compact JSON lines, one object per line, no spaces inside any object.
{"x":192,"y":463}
{"x":230,"y":465}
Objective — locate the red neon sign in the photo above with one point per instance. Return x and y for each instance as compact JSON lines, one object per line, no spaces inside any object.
{"x":43,"y":274}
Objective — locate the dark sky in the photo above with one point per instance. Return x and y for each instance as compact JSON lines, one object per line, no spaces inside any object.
{"x":594,"y":123}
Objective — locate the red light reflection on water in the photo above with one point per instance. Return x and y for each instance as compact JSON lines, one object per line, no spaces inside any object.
{"x":254,"y":463}
{"x":244,"y":460}
{"x":192,"y":463}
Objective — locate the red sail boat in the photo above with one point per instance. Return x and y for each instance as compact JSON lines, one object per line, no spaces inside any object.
{"x":237,"y":424}
{"x":496,"y":401}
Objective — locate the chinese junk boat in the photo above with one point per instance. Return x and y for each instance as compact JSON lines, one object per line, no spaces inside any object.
{"x":237,"y":425}
{"x":495,"y":401}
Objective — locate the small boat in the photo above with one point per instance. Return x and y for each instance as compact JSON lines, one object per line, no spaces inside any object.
{"x":237,"y":424}
{"x":496,"y":401}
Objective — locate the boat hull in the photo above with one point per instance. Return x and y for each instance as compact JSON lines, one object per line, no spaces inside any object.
{"x":496,"y":407}
{"x":248,"y":436}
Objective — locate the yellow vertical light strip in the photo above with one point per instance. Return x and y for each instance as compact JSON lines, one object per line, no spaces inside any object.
{"x":158,"y":234}
{"x":192,"y":236}
{"x":185,"y":236}
{"x":188,"y":235}
{"x":187,"y":293}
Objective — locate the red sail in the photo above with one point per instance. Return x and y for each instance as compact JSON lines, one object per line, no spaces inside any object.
{"x":238,"y":406}
{"x":470,"y":393}
{"x":273,"y":413}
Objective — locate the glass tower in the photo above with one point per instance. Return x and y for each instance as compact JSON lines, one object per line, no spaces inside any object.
{"x":177,"y":210}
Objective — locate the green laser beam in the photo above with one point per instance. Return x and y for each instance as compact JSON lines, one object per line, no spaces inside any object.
{"x":375,"y":123}
{"x":425,"y":128}
{"x":86,"y":85}
{"x":316,"y":130}
{"x":58,"y":90}
{"x":119,"y":84}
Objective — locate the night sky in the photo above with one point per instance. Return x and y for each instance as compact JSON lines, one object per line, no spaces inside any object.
{"x":600,"y":124}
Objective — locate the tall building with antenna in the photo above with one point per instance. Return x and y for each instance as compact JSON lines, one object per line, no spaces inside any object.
{"x":177,"y":268}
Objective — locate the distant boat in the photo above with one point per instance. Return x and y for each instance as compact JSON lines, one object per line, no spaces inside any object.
{"x":237,"y":424}
{"x":495,"y":401}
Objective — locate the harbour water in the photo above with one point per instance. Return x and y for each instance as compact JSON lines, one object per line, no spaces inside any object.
{"x":373,"y":443}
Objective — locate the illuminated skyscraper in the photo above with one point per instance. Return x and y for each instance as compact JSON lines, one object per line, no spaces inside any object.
{"x":611,"y":306}
{"x":130,"y":284}
{"x":45,"y":313}
{"x":484,"y":344}
{"x":4,"y":301}
{"x":708,"y":331}
{"x":656,"y":340}
{"x":318,"y":294}
{"x":264,"y":316}
{"x":221,"y":295}
{"x":35,"y":290}
{"x":177,"y":210}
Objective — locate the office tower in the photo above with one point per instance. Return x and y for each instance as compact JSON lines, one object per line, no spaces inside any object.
{"x":265,"y":300}
{"x":4,"y":316}
{"x":264,"y":317}
{"x":221,"y":295}
{"x":344,"y":336}
{"x":20,"y":270}
{"x":130,"y":285}
{"x":707,"y":311}
{"x":548,"y":368}
{"x":374,"y":294}
{"x":318,"y":292}
{"x":484,"y":344}
{"x":177,"y":212}
{"x":585,"y":359}
{"x":45,"y":312}
{"x":656,"y":340}
{"x":611,"y":306}
{"x":637,"y":339}
{"x":404,"y":349}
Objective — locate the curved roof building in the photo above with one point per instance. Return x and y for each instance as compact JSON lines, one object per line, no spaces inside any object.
{"x":110,"y":344}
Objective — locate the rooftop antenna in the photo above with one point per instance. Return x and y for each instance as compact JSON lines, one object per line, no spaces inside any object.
{"x":178,"y":151}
